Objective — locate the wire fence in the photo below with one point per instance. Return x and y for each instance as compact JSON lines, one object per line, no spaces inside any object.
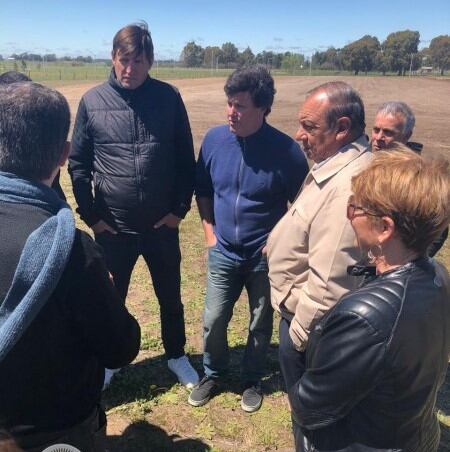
{"x":67,"y":71}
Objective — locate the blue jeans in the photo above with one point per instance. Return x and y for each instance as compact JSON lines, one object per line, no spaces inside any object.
{"x":225,"y":281}
{"x":161,"y":252}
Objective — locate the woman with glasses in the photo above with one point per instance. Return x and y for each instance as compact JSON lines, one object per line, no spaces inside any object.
{"x":375,"y":362}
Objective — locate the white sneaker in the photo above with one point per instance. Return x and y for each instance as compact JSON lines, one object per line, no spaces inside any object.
{"x":185,"y":373}
{"x":109,"y":373}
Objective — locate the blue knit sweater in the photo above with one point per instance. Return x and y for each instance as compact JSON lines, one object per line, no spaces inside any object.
{"x":251,"y":181}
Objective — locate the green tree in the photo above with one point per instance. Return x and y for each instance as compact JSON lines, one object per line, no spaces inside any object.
{"x":211,"y":56}
{"x":23,"y":65}
{"x":331,"y":59}
{"x":270,"y":59}
{"x":230,"y":53}
{"x":440,"y":52}
{"x":361,"y":55}
{"x":425,"y":57}
{"x":318,"y":59}
{"x":382,"y":62}
{"x":400,"y":48}
{"x":292,"y":61}
{"x":50,"y":57}
{"x":192,"y":54}
{"x":246,"y":58}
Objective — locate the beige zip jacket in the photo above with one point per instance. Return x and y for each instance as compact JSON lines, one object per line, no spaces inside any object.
{"x":311,"y":247}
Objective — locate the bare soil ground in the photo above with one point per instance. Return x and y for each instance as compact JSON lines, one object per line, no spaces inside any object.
{"x":205,"y":102}
{"x":147,"y":410}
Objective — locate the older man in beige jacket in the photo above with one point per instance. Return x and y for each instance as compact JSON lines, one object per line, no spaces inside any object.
{"x":311,"y":247}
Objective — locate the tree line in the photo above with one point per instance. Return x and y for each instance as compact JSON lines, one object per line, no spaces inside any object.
{"x":397,"y":53}
{"x":51,"y":57}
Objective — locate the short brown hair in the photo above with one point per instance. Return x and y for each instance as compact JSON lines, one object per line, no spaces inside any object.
{"x":411,"y":190}
{"x":134,"y":39}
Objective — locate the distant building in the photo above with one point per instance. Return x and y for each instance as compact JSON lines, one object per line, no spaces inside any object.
{"x":426,"y":70}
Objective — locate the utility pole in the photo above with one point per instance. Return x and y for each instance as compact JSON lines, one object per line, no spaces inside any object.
{"x":410,"y":64}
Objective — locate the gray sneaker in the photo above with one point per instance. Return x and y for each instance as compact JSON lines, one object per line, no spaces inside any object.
{"x":252,"y":397}
{"x":207,"y":388}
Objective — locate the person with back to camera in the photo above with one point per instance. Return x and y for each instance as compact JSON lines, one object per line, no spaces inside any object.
{"x":15,"y":77}
{"x":61,"y":319}
{"x":375,"y":361}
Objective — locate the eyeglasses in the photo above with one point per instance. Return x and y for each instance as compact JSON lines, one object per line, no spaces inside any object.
{"x":352,"y":208}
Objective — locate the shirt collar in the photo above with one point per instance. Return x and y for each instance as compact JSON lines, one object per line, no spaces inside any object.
{"x":331,"y":166}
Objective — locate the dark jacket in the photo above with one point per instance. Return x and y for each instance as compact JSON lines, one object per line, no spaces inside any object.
{"x":251,"y":181}
{"x":52,"y":378}
{"x":375,"y":362}
{"x":135,"y":148}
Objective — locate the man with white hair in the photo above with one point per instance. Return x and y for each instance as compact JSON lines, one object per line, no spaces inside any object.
{"x":394,"y":121}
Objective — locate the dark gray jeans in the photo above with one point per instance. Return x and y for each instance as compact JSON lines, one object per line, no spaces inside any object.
{"x":161,"y":251}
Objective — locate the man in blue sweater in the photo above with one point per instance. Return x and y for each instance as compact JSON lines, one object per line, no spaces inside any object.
{"x":247,"y":172}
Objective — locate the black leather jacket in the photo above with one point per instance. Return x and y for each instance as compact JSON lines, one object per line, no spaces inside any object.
{"x":134,"y":147}
{"x":375,"y":362}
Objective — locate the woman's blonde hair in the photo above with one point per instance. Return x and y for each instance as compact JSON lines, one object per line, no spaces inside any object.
{"x":410,"y":189}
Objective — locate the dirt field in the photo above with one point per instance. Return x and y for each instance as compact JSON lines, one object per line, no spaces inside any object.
{"x":429,"y":99}
{"x":147,"y":410}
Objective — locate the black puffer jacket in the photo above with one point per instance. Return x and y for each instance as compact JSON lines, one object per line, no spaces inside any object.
{"x":374,"y":364}
{"x":136,"y":147}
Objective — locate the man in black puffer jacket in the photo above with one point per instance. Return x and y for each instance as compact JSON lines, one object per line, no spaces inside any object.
{"x":132,"y":144}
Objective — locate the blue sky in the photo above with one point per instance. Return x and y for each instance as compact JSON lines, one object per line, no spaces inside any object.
{"x":87,"y":27}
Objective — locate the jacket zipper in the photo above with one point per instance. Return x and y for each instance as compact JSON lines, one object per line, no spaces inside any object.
{"x":236,"y":220}
{"x":137,"y":157}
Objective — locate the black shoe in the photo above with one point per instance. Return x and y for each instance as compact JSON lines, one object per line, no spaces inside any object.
{"x":202,"y":392}
{"x":251,"y":397}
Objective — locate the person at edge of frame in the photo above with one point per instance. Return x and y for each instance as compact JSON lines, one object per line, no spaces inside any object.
{"x":15,"y":77}
{"x":394,"y":123}
{"x":61,"y":319}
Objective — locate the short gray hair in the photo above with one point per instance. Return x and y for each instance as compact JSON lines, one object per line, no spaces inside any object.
{"x":344,"y":101}
{"x":34,"y":122}
{"x":394,"y":108}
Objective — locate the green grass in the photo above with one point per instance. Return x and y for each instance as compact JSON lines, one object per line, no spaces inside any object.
{"x":68,"y":72}
{"x":65,"y":71}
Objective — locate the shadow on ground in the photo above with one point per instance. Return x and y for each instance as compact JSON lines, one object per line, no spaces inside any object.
{"x":142,"y":436}
{"x":443,"y":405}
{"x":151,"y":377}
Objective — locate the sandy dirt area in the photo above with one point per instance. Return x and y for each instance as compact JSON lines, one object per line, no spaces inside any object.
{"x":429,"y":99}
